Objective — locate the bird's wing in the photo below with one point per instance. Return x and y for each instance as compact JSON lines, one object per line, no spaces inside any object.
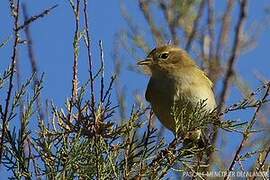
{"x":209,"y":81}
{"x":149,"y":90}
{"x":206,"y":77}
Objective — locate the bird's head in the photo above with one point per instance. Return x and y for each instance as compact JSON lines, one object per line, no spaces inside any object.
{"x":166,"y":58}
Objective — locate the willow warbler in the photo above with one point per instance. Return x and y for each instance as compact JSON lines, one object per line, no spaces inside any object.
{"x":175,"y":78}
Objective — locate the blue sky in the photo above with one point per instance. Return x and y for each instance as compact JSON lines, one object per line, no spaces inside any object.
{"x":53,"y":36}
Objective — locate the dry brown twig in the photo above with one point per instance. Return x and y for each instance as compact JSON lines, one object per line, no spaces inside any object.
{"x":32,"y":58}
{"x":195,"y":25}
{"x":235,"y":53}
{"x":211,"y":28}
{"x":225,"y":28}
{"x":171,"y":19}
{"x":144,"y":6}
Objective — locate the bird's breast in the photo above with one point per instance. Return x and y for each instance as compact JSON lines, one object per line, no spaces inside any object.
{"x":164,"y":91}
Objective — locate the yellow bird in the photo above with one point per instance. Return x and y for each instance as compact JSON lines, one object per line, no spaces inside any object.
{"x":175,"y":78}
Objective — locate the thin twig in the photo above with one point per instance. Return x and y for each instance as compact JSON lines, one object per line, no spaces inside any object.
{"x":76,"y":40}
{"x":35,"y":165}
{"x":107,"y":93}
{"x":102,"y":71}
{"x":262,"y":163}
{"x":36,"y":17}
{"x":246,"y":133}
{"x":14,"y":7}
{"x":5,"y":42}
{"x":146,"y":139}
{"x":89,"y":56}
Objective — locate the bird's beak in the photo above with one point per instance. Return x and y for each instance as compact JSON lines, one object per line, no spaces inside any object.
{"x":145,"y":62}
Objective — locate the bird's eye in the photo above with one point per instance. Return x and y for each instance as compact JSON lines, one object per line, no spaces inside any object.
{"x":164,"y":55}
